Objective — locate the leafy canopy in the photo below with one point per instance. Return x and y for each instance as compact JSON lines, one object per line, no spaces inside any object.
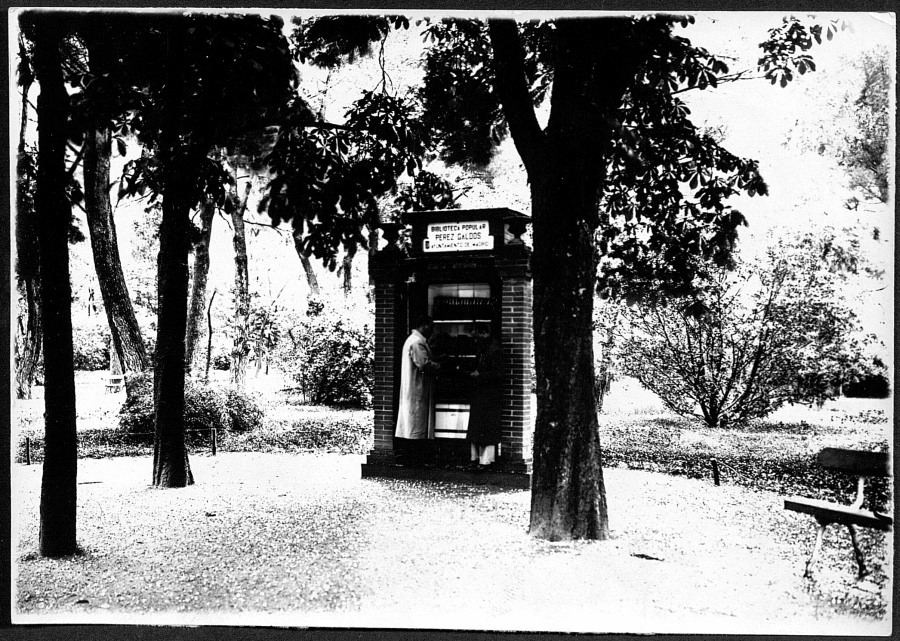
{"x":663,"y":201}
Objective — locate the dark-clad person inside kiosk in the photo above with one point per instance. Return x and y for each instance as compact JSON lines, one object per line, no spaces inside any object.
{"x":486,"y":411}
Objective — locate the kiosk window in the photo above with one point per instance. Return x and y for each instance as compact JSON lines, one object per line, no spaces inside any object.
{"x":455,"y":306}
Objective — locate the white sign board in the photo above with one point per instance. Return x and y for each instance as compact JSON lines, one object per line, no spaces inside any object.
{"x":458,"y":237}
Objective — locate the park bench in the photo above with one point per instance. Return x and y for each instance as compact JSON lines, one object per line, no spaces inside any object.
{"x":856,"y":463}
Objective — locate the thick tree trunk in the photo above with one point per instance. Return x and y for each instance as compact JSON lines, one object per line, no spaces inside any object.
{"x":59,"y":481}
{"x":28,"y":327}
{"x":170,"y":458}
{"x":311,"y":279}
{"x":568,"y":498}
{"x":594,"y":64}
{"x":197,"y":306}
{"x":126,"y":333}
{"x":241,"y":348}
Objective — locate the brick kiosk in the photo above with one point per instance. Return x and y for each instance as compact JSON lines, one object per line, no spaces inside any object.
{"x":461,"y":266}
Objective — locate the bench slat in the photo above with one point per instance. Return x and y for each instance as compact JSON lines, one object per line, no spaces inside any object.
{"x":855,"y":462}
{"x":836,"y":513}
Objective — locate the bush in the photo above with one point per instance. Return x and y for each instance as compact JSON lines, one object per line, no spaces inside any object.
{"x":871,"y":386}
{"x":331,"y":356}
{"x":243,"y":412}
{"x":91,"y":346}
{"x":136,"y":415}
{"x":221,"y":362}
{"x":205,"y":408}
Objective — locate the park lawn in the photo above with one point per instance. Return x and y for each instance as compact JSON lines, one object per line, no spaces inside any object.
{"x":301,"y":540}
{"x":288,"y":426}
{"x":776,"y":454}
{"x":759,"y":464}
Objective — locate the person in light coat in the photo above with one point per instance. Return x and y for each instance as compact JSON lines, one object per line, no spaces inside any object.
{"x":415,"y":417}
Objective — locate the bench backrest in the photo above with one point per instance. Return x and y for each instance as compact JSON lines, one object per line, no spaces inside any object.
{"x":855,"y":462}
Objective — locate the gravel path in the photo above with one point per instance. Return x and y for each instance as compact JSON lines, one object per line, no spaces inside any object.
{"x":302,"y":540}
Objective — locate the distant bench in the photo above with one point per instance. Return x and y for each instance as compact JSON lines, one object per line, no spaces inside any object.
{"x":856,"y":463}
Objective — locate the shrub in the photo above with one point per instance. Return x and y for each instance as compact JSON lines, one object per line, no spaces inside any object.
{"x":243,"y":412}
{"x":136,"y":415}
{"x":871,"y":386}
{"x":91,"y":344}
{"x":205,"y":408}
{"x":221,"y":362}
{"x":331,"y":356}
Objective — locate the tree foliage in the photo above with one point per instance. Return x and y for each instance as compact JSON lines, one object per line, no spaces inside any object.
{"x":866,"y":152}
{"x":326,"y":177}
{"x":458,"y":95}
{"x":767,"y":334}
{"x":427,"y":192}
{"x":663,"y":201}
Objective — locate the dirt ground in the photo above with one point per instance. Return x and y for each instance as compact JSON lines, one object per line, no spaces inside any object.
{"x":302,"y":540}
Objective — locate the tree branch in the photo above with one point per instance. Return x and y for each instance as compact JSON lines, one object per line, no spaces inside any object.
{"x":734,"y":77}
{"x":272,"y":227}
{"x":511,"y":85}
{"x":75,"y":162}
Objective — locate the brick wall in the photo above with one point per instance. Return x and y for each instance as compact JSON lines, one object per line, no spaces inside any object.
{"x":384,"y":275}
{"x":516,"y":305}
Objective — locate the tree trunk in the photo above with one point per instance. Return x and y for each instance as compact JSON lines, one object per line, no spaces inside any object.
{"x":126,"y":333}
{"x":373,"y":248}
{"x":604,"y":371}
{"x":241,"y":296}
{"x":59,"y":481}
{"x":347,"y":270}
{"x":29,"y":333}
{"x":209,"y":335}
{"x":28,"y":329}
{"x":198,"y":285}
{"x":311,"y":279}
{"x":594,"y":64}
{"x":170,"y":458}
{"x":568,"y":498}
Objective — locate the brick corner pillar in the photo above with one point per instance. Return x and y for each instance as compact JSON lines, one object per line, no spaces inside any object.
{"x":383,"y":273}
{"x":516,"y":332}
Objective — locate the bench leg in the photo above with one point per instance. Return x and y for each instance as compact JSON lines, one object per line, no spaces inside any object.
{"x":857,"y":551}
{"x":816,"y":549}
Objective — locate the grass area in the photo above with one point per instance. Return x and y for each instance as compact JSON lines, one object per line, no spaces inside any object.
{"x":734,"y":546}
{"x":777,"y":454}
{"x":637,"y":432}
{"x":287,"y":427}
